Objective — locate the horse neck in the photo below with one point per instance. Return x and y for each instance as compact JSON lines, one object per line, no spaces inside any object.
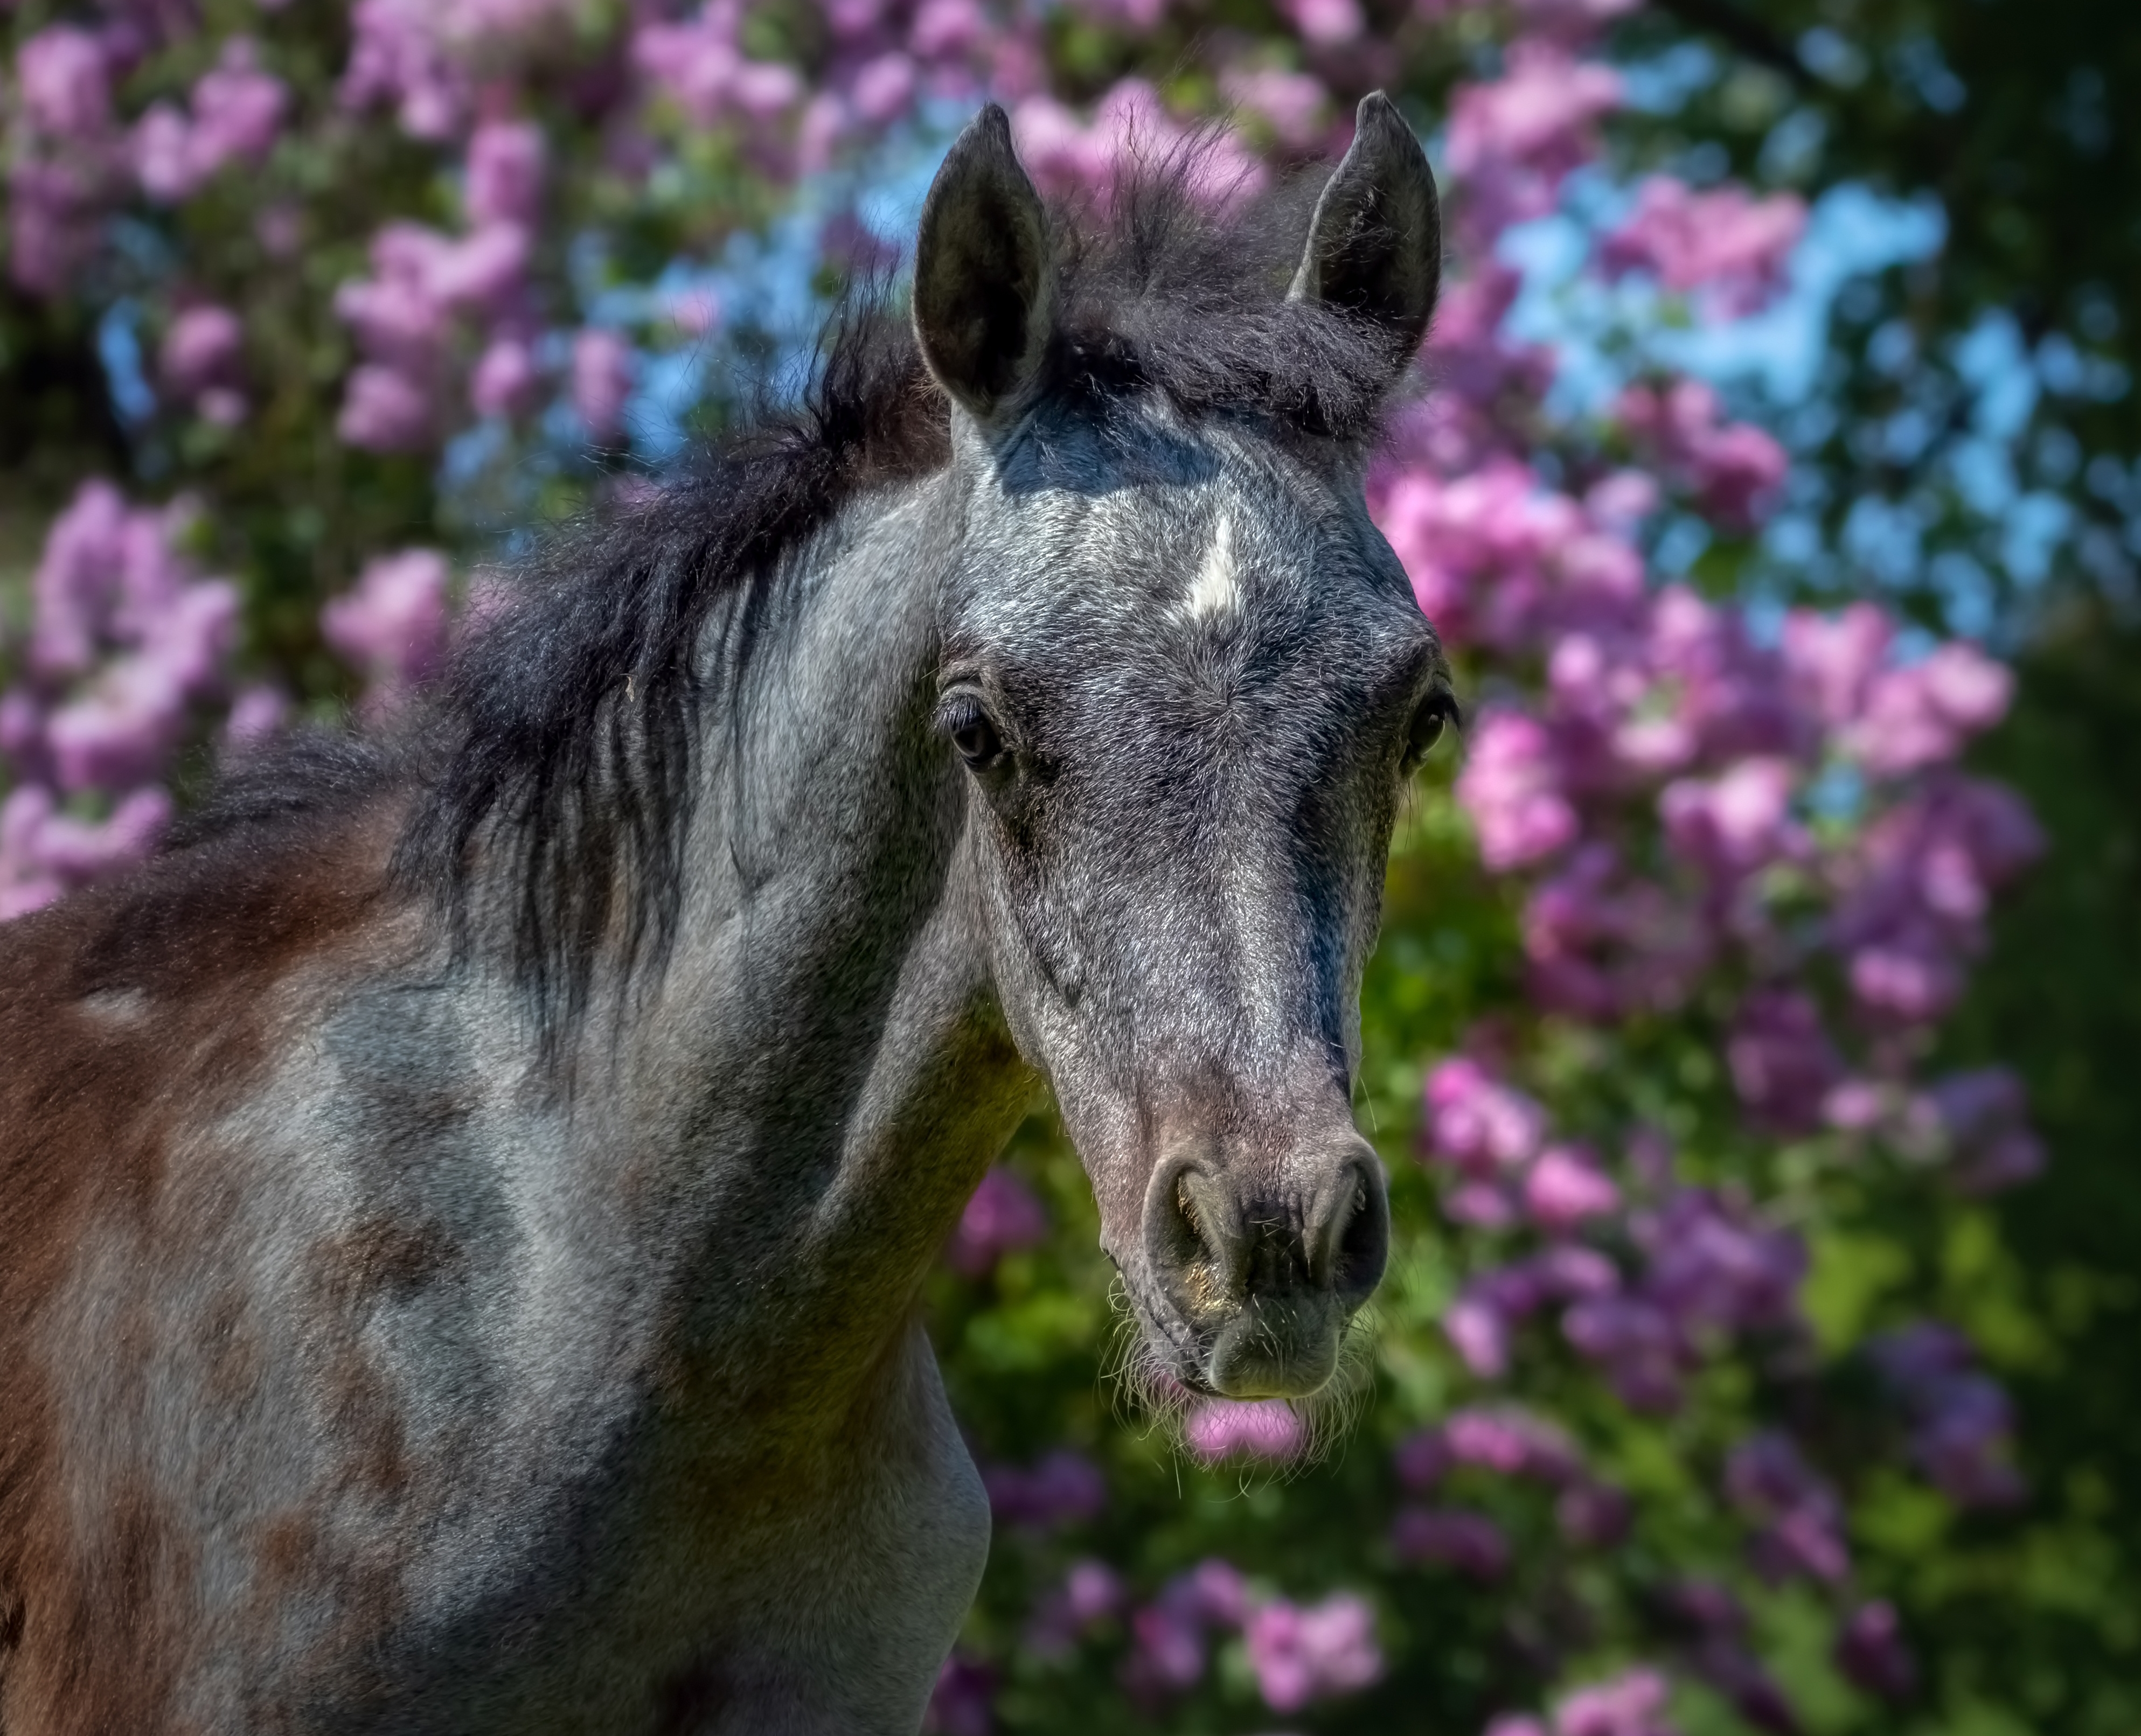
{"x":822,"y":1068}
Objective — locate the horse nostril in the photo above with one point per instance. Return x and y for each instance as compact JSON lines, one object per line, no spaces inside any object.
{"x":1355,"y":1234}
{"x":1191,"y":1238}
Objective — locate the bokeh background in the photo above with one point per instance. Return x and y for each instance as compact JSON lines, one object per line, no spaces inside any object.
{"x":1753,"y":1041}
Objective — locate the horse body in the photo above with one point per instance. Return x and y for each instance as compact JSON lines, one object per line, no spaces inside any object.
{"x":372,"y":1361}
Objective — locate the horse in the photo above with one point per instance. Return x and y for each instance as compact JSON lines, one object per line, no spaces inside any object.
{"x":464,"y":1202}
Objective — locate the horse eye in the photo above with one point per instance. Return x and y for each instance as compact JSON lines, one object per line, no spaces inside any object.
{"x":1436,"y":712}
{"x":964,"y":720}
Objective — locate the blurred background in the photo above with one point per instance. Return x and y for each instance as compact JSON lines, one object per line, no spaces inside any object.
{"x":1753,"y":1041}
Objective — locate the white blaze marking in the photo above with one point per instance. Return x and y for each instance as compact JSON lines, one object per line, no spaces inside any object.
{"x":1216,"y":591}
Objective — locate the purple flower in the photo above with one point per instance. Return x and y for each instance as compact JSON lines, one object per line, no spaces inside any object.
{"x":1631,"y":1704}
{"x":1062,"y":1487}
{"x":504,"y":382}
{"x":1167,"y":1652}
{"x":1870,"y":1651}
{"x":504,"y":183}
{"x":1511,"y":788}
{"x":200,"y":350}
{"x":392,"y":623}
{"x":1592,"y":1515}
{"x":1267,"y":1429}
{"x":1449,"y":1536}
{"x":1091,"y":1592}
{"x":64,"y":83}
{"x":1301,"y":1654}
{"x":1514,"y":140}
{"x":1985,"y":1116}
{"x":602,"y":381}
{"x":1511,"y":1440}
{"x":384,"y":410}
{"x":1729,"y":247}
{"x":964,"y":1701}
{"x":1802,"y":1520}
{"x":1478,"y":1123}
{"x":1782,"y":1061}
{"x":1003,"y":1215}
{"x":1565,"y":1187}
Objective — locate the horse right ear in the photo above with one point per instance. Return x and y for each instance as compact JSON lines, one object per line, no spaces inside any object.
{"x":984,"y":275}
{"x":1375,"y":245}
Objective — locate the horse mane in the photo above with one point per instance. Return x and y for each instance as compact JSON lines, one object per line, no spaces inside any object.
{"x":554,"y":759}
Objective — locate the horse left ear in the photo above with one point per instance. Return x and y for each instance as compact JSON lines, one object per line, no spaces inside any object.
{"x":984,"y":274}
{"x":1375,"y":245}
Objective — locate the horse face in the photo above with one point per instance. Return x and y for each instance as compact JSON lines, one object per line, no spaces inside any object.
{"x":1186,"y":706}
{"x":1187,"y":678}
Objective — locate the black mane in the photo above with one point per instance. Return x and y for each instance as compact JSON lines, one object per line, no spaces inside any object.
{"x":559,"y":749}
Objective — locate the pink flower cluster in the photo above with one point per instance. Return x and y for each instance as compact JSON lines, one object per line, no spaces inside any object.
{"x":1299,"y":1653}
{"x":1073,"y":158}
{"x":234,"y":116}
{"x":1503,"y":1440}
{"x":1725,"y":245}
{"x":127,"y":643}
{"x":67,"y":158}
{"x":1302,"y":1654}
{"x":1631,"y":1704}
{"x":393,"y":624}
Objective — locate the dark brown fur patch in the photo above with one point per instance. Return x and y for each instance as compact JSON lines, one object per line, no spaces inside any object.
{"x":128,"y":1014}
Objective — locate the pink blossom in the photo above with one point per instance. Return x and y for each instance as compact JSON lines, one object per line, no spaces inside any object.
{"x":602,"y":381}
{"x":1511,"y":1440}
{"x":1733,"y":470}
{"x":1729,"y":246}
{"x":1514,"y":1723}
{"x":45,"y":852}
{"x":504,"y":382}
{"x":256,"y":712}
{"x":945,"y":29}
{"x":396,"y":57}
{"x":1631,"y":1704}
{"x":504,"y":183}
{"x":1833,"y":659}
{"x":1294,"y":105}
{"x":1922,"y":714}
{"x":699,"y":64}
{"x":238,"y":109}
{"x":1739,"y":821}
{"x":882,"y":88}
{"x":1091,"y":1593}
{"x":201,"y":349}
{"x":1511,"y":787}
{"x":1565,"y":1187}
{"x":1003,"y":1215}
{"x":64,"y":83}
{"x":1267,"y":1429}
{"x":1470,"y":1542}
{"x":1301,"y":1654}
{"x":1514,"y":140}
{"x":384,"y":410}
{"x":1325,"y":22}
{"x":1477,"y":1123}
{"x":121,"y":728}
{"x":392,"y":624}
